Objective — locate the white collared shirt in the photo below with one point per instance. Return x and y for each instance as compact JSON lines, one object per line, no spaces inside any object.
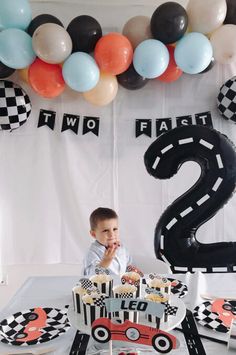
{"x":95,"y":254}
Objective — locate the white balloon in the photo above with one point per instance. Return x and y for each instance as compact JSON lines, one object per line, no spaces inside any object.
{"x":52,"y":43}
{"x":223,"y":41}
{"x":206,"y":15}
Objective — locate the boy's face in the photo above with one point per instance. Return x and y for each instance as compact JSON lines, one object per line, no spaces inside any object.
{"x":106,"y":232}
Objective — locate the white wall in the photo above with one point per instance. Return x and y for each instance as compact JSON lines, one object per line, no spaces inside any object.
{"x":17,"y":274}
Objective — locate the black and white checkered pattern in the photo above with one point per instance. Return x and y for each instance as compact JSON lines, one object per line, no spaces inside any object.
{"x":179,"y":289}
{"x":170,"y":310}
{"x":124,"y":295}
{"x":57,"y":323}
{"x":100,"y":301}
{"x":209,"y":319}
{"x":15,"y":106}
{"x":86,"y":283}
{"x":226,"y":100}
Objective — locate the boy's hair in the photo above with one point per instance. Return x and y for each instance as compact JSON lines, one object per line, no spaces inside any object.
{"x":100,"y":214}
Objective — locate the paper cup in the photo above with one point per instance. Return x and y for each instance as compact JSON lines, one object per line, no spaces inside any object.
{"x":77,"y":294}
{"x":125,"y":291}
{"x":132,"y":278}
{"x":92,"y":312}
{"x":154,"y":319}
{"x":103,"y":287}
{"x":158,"y":285}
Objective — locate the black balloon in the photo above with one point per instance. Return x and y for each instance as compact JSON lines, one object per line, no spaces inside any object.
{"x":84,"y":31}
{"x":169,"y":22}
{"x":41,"y":20}
{"x":209,"y":67}
{"x":231,"y":12}
{"x":131,"y":80}
{"x":5,"y":71}
{"x":175,"y":239}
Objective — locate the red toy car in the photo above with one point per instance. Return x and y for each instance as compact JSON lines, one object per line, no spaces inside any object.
{"x":37,"y":320}
{"x":103,"y":330}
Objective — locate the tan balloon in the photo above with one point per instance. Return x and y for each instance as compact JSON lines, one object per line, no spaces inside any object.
{"x":52,"y":43}
{"x":104,"y":92}
{"x":206,"y":15}
{"x":223,"y":41}
{"x":24,"y":74}
{"x":137,"y":30}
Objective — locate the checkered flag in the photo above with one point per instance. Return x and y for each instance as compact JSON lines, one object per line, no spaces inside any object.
{"x":124,"y":295}
{"x":15,"y":106}
{"x":100,"y":301}
{"x":170,"y":310}
{"x":226,"y":100}
{"x":86,"y":283}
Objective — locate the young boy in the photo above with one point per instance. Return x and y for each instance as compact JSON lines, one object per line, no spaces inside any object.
{"x":106,"y":251}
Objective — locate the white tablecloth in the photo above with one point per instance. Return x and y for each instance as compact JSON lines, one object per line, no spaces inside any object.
{"x":56,"y":292}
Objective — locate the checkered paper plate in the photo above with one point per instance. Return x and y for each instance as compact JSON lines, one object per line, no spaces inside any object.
{"x":36,"y":326}
{"x":204,"y":316}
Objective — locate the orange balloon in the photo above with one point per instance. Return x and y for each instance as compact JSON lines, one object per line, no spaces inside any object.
{"x":46,"y":79}
{"x":113,"y":53}
{"x":173,"y":72}
{"x":104,"y":92}
{"x":24,"y":74}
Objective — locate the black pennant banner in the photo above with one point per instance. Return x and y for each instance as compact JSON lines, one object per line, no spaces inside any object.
{"x":204,"y":119}
{"x":91,"y":124}
{"x":143,"y":126}
{"x":47,"y":118}
{"x":70,"y":122}
{"x":163,"y":125}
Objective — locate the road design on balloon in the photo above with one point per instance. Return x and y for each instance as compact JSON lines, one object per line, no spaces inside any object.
{"x":175,"y":233}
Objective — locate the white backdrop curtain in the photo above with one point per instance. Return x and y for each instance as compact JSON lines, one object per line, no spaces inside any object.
{"x":50,"y":181}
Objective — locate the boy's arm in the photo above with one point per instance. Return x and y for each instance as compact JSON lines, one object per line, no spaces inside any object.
{"x":93,"y":259}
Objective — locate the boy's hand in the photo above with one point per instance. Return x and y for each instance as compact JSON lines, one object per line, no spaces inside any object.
{"x":109,"y":254}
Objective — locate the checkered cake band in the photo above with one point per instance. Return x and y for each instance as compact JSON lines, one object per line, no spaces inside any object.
{"x":15,"y":105}
{"x":226,"y":100}
{"x":56,"y":324}
{"x":124,"y":295}
{"x":209,"y":319}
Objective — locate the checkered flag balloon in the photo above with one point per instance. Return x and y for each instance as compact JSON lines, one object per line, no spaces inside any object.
{"x":15,"y":106}
{"x":226,"y":100}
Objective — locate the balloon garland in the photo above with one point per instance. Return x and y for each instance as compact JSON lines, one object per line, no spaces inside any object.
{"x":160,"y":47}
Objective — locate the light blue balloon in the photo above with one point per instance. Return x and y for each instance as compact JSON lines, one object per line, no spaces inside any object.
{"x":15,"y":14}
{"x":193,"y":53}
{"x":151,"y":58}
{"x":80,"y":72}
{"x":16,"y":49}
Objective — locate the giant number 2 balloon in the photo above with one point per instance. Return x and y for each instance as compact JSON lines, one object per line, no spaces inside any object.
{"x":175,"y":240}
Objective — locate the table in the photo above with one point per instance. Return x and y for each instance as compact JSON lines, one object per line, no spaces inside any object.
{"x":55,"y":291}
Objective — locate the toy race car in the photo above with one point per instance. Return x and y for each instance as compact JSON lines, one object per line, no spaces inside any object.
{"x":103,"y":330}
{"x":127,"y":280}
{"x":131,"y":268}
{"x":32,"y":331}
